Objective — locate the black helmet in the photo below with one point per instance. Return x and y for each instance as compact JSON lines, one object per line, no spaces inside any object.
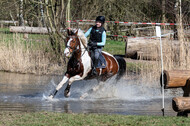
{"x":101,"y":19}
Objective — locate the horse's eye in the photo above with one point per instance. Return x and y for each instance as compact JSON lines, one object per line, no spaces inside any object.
{"x":73,"y":41}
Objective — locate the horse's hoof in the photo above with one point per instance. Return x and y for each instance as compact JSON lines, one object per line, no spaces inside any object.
{"x":83,"y":96}
{"x":50,"y":97}
{"x":67,"y":94}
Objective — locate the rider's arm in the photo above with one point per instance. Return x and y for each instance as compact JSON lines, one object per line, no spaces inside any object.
{"x":103,"y":40}
{"x":88,"y":32}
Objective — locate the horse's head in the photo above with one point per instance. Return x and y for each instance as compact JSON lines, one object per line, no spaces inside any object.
{"x":72,"y":43}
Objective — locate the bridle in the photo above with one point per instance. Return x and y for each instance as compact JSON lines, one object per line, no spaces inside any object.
{"x":75,"y":47}
{"x":73,"y":42}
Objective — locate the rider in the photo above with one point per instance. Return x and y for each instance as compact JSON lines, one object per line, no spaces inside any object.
{"x":97,"y":41}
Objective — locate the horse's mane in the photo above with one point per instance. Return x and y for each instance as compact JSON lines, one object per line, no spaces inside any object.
{"x":82,"y":37}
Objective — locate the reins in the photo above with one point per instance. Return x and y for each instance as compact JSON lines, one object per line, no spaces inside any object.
{"x":75,"y":47}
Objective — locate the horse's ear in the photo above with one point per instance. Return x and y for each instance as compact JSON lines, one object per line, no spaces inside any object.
{"x":68,"y":31}
{"x":76,"y":32}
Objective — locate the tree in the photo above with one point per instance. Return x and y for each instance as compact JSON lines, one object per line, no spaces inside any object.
{"x":21,"y":18}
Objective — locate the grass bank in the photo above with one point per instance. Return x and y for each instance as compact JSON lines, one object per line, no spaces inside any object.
{"x":64,"y":119}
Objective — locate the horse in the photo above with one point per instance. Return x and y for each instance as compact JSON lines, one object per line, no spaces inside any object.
{"x":80,"y":64}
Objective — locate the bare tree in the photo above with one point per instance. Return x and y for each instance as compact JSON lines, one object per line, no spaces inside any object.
{"x":55,"y":23}
{"x":21,"y":18}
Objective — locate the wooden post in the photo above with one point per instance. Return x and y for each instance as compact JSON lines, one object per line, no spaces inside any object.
{"x":77,"y":23}
{"x":116,"y":31}
{"x":175,"y":78}
{"x":126,"y":43}
{"x":186,"y":89}
{"x":1,"y":25}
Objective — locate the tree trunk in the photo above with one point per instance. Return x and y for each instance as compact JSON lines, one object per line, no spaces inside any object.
{"x":42,"y":13}
{"x":21,"y":18}
{"x":175,"y":78}
{"x":68,"y":14}
{"x":179,"y":31}
{"x":25,"y":29}
{"x":164,"y":12}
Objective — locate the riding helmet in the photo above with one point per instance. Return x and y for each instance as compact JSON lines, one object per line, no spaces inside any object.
{"x":101,"y":19}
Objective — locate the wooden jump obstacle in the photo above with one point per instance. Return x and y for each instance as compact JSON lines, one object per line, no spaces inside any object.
{"x":178,"y":79}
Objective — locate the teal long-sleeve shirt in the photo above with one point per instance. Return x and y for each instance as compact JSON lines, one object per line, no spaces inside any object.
{"x":103,"y":42}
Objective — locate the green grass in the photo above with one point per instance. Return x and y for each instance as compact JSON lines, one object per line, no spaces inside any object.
{"x":34,"y":42}
{"x":64,"y":119}
{"x":5,"y":30}
{"x":115,"y":47}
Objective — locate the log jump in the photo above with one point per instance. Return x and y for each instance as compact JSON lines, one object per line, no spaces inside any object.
{"x":178,"y":79}
{"x":175,"y":78}
{"x":26,"y":29}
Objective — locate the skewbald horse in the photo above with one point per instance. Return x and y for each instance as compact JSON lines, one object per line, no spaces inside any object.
{"x":80,"y":64}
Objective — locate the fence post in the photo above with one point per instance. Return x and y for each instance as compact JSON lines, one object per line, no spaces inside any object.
{"x":77,"y":24}
{"x":126,"y":43}
{"x":1,"y":25}
{"x":116,"y":32}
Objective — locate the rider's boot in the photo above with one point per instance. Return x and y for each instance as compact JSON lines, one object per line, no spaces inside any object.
{"x":94,"y":72}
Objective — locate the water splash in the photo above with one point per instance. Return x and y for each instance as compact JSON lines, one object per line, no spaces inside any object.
{"x":123,"y":90}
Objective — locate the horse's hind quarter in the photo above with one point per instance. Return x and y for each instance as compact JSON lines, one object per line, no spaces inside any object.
{"x":112,"y":64}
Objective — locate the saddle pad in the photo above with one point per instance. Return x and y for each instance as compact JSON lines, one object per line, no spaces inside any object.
{"x":101,"y":61}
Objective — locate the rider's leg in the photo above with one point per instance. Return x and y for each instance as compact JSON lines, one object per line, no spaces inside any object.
{"x":93,"y":61}
{"x":92,"y":55}
{"x":96,"y":57}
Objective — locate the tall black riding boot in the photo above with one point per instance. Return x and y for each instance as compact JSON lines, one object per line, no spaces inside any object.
{"x":95,"y":64}
{"x":94,"y":72}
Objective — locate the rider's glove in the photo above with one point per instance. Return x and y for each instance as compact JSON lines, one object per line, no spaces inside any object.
{"x":92,"y":44}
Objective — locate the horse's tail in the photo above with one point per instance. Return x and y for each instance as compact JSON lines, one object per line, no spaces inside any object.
{"x":122,"y":66}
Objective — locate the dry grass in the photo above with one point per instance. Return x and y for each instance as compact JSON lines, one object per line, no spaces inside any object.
{"x":20,"y":55}
{"x":175,"y":56}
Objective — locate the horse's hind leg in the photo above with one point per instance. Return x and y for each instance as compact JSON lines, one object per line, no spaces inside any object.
{"x":71,"y":80}
{"x":94,"y":89}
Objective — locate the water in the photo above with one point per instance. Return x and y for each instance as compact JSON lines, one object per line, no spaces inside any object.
{"x":26,"y":92}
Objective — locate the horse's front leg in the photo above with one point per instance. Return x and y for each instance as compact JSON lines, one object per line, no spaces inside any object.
{"x":71,"y":80}
{"x":59,"y":86}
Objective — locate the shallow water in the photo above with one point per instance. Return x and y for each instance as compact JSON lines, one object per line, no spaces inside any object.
{"x":26,"y":92}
